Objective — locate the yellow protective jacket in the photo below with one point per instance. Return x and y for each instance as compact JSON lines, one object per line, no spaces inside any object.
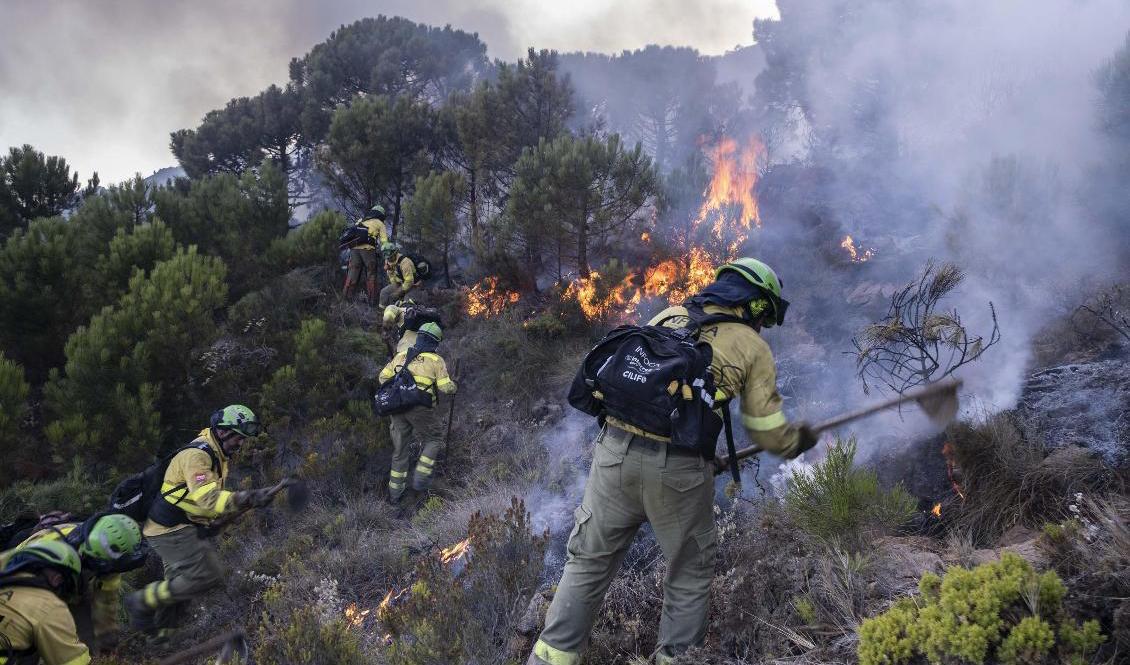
{"x":102,"y":592}
{"x":743,"y":368}
{"x":193,"y":486}
{"x":401,"y":272}
{"x":429,"y":370}
{"x":378,"y":234}
{"x":34,"y":620}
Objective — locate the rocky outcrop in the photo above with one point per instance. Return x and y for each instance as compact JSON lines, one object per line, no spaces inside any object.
{"x":1083,"y":404}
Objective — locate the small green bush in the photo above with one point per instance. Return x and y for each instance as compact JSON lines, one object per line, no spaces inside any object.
{"x":75,"y":492}
{"x":997,"y":612}
{"x":838,"y":502}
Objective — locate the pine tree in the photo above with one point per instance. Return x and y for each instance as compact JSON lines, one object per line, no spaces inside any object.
{"x":33,"y":185}
{"x":128,"y":372}
{"x":433,"y":214}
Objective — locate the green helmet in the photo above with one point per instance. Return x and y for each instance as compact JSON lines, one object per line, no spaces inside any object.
{"x":388,"y":247}
{"x":431,"y":329}
{"x":762,"y":276}
{"x":47,"y":554}
{"x":111,"y":537}
{"x":237,"y":418}
{"x":378,"y":211}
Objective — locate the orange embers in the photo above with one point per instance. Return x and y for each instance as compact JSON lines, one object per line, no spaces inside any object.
{"x":487,"y":299}
{"x":937,"y":511}
{"x":856,"y":255}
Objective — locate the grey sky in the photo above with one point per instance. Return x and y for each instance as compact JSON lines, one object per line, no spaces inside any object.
{"x":103,"y":83}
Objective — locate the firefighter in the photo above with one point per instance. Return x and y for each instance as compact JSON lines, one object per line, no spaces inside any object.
{"x":422,"y":424}
{"x":108,"y":545}
{"x":365,"y":254}
{"x":401,"y":272}
{"x":193,"y":496}
{"x":638,"y":477}
{"x":35,"y":624}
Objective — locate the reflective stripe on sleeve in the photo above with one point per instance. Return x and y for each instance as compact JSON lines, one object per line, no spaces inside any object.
{"x":223,"y":500}
{"x":199,"y":492}
{"x":555,"y":656}
{"x":444,"y":382}
{"x":764,"y":423}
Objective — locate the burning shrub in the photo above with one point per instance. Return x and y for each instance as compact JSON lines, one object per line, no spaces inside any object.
{"x":916,"y":341}
{"x":836,"y":502}
{"x":303,"y":633}
{"x":1002,"y":609}
{"x":468,"y":614}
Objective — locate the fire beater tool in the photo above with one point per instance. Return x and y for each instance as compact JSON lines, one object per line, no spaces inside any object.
{"x":938,"y":400}
{"x":297,"y":496}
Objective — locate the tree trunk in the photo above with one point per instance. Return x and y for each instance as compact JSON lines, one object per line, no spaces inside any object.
{"x":583,"y":243}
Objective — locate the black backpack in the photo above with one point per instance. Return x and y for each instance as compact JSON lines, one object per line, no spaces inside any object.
{"x":417,"y":315}
{"x":423,"y":267}
{"x":353,"y":235}
{"x":657,"y":379}
{"x":400,"y":393}
{"x":135,"y":495}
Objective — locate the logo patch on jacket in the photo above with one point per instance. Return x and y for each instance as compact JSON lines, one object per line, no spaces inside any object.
{"x":200,"y":477}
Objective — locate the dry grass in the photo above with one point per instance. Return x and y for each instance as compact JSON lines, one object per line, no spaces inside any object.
{"x":1010,"y":478}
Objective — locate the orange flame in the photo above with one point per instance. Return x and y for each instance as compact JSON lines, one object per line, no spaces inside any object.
{"x":598,"y":302}
{"x":856,"y":256}
{"x":456,"y":551}
{"x":486,"y":299}
{"x":730,"y":210}
{"x":937,"y":511}
{"x":735,"y":177}
{"x":355,"y":615}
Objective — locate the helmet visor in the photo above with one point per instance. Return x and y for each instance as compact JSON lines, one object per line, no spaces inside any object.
{"x":780,"y":307}
{"x":250,"y":428}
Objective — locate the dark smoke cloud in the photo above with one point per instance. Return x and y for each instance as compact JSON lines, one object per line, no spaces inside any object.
{"x":103,"y":83}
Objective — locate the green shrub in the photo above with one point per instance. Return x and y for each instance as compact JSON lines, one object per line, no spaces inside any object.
{"x":125,"y":373}
{"x":313,"y":243}
{"x":295,"y":631}
{"x":13,"y":409}
{"x":838,"y":502}
{"x":76,"y":492}
{"x":997,"y":612}
{"x":450,"y":618}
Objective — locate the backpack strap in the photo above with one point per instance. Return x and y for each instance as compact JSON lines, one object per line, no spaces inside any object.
{"x":731,"y":450}
{"x":203,"y":445}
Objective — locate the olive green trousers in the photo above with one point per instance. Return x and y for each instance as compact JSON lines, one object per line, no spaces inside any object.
{"x":635,"y":480}
{"x":420,"y":425}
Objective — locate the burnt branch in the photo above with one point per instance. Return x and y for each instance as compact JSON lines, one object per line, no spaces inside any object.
{"x":1111,"y":309}
{"x":917,"y":341}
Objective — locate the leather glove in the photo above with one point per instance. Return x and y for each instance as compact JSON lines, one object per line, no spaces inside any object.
{"x":807,"y":438}
{"x":259,"y":498}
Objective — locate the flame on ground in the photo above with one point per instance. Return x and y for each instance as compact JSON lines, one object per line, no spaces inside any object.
{"x":598,"y":301}
{"x":487,"y":299}
{"x":460,"y":549}
{"x":856,"y":256}
{"x":355,"y":615}
{"x":937,"y":511}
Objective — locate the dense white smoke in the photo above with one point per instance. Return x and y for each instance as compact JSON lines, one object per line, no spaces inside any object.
{"x":951,"y":131}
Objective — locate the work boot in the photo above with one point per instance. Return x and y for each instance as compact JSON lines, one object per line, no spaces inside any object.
{"x":371,"y":288}
{"x":141,"y":617}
